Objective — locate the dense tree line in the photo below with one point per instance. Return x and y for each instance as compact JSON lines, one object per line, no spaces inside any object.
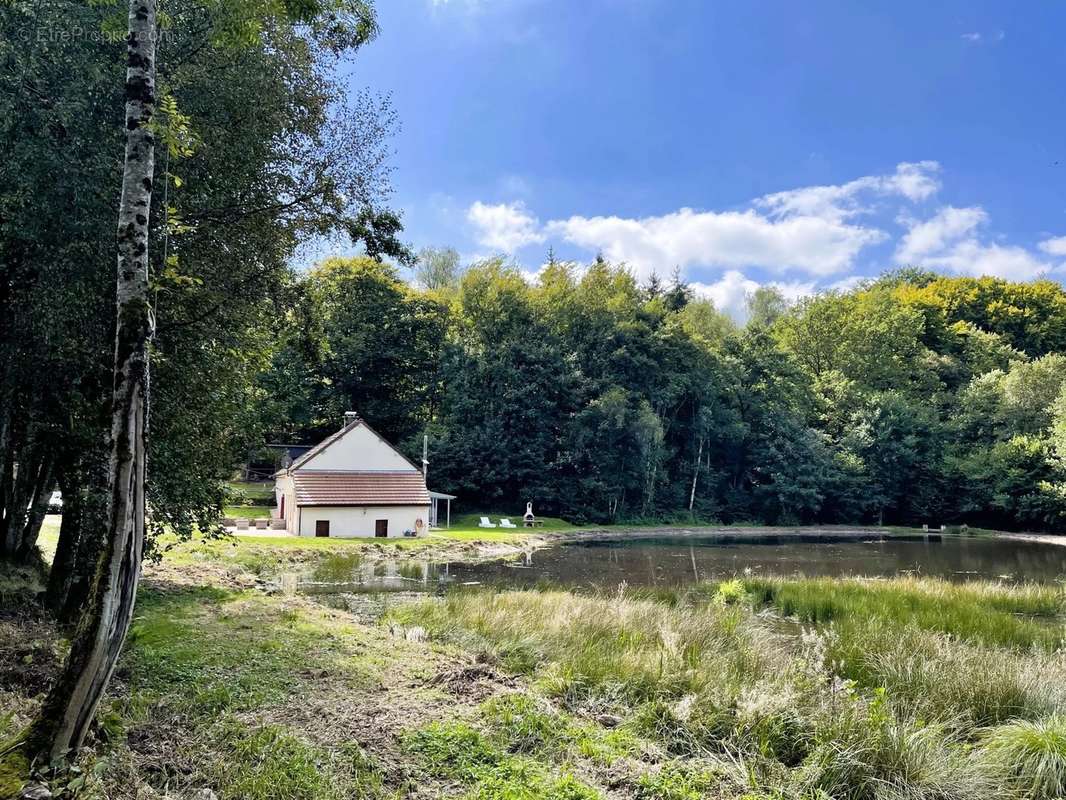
{"x":913,"y":398}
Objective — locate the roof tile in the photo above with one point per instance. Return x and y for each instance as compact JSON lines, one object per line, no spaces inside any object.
{"x":360,"y":488}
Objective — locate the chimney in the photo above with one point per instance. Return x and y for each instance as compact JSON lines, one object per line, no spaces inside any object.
{"x":350,"y":417}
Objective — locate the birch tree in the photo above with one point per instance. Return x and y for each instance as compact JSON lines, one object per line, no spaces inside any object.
{"x":71,"y":704}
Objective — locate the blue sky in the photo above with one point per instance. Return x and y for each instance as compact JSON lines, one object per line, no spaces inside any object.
{"x":801,"y":144}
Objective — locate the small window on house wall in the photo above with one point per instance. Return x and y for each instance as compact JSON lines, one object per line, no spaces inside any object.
{"x":381,"y":528}
{"x":322,"y":527}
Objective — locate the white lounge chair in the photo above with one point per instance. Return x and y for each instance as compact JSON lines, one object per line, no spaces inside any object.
{"x":485,"y":523}
{"x":506,"y":523}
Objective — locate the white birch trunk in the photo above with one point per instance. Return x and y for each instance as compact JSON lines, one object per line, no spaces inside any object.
{"x":71,"y":705}
{"x":695,"y":477}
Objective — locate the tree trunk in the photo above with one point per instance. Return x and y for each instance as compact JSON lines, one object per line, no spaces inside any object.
{"x":74,"y":588}
{"x":64,"y":719}
{"x":66,"y":558}
{"x":28,"y":484}
{"x":81,"y":535}
{"x":695,"y":476}
{"x":40,"y":497}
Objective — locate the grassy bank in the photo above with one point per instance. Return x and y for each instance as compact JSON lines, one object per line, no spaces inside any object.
{"x":873,"y":701}
{"x":751,"y":689}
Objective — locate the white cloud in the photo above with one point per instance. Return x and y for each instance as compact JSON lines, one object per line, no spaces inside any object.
{"x":505,"y":227}
{"x":914,"y":181}
{"x":1055,"y":246}
{"x":933,"y":235}
{"x":951,"y":241}
{"x":976,"y":37}
{"x":728,"y":239}
{"x":811,"y":229}
{"x":847,"y":284}
{"x":814,"y":234}
{"x":730,"y":293}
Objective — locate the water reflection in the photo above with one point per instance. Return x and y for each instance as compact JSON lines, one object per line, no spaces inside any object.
{"x":673,"y":561}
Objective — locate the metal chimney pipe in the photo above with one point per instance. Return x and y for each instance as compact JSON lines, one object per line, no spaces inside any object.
{"x":350,"y":417}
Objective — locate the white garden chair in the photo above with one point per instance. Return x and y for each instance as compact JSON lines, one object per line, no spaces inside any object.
{"x":485,"y":523}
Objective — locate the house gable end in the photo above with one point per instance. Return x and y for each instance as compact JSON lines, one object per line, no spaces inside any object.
{"x":357,"y":447}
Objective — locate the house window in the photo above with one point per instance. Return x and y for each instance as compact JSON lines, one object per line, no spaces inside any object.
{"x":282,"y":509}
{"x":322,"y":527}
{"x":381,"y":528}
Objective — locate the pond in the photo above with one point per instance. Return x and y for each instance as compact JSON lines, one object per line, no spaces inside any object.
{"x":674,"y":560}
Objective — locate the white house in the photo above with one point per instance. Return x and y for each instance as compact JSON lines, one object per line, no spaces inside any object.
{"x":353,"y":483}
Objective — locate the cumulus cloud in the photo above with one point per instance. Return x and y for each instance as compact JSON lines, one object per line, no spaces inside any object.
{"x":1055,"y":246}
{"x":812,"y":229}
{"x":935,"y":234}
{"x":505,"y":227}
{"x":914,"y":181}
{"x":951,"y":240}
{"x":730,"y":293}
{"x":727,"y":239}
{"x":813,"y":235}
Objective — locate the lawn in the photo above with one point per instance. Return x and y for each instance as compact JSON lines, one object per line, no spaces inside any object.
{"x":256,"y":489}
{"x":247,"y":512}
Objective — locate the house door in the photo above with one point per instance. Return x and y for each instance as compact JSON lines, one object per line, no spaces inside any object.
{"x":381,"y":528}
{"x":322,"y":527}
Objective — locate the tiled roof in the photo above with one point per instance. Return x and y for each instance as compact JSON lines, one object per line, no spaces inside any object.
{"x":360,"y":488}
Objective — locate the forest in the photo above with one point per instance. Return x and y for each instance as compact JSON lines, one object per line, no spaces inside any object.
{"x":912,"y":399}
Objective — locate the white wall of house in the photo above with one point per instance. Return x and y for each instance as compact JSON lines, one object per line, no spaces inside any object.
{"x":355,"y":521}
{"x":359,"y":449}
{"x":284,"y":488}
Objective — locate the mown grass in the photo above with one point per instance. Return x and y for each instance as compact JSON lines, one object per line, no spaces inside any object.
{"x":877,"y":698}
{"x":468,"y":523}
{"x":268,"y":555}
{"x":258,"y":489}
{"x":247,"y":512}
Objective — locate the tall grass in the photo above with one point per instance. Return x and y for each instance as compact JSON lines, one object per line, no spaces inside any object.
{"x":606,"y":648}
{"x":882,"y":698}
{"x":1030,"y":757}
{"x":983,"y":612}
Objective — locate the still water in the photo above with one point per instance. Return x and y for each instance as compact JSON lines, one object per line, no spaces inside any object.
{"x":678,"y":560}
